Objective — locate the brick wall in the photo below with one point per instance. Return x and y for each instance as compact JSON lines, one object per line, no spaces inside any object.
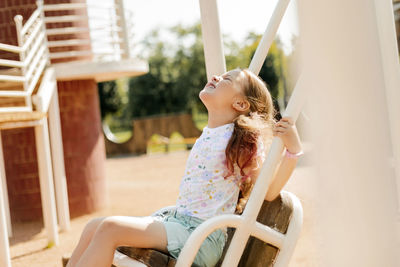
{"x":84,"y":156}
{"x":84,"y":150}
{"x":22,"y":173}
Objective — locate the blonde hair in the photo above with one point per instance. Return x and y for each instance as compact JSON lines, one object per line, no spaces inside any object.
{"x":248,"y":129}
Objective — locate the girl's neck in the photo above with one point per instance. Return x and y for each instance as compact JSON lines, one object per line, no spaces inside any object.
{"x":216,"y":119}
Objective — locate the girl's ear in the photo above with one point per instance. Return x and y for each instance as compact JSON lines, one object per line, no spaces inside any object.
{"x":241,"y":104}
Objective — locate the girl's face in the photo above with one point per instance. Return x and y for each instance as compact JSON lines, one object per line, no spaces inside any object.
{"x":222,"y":91}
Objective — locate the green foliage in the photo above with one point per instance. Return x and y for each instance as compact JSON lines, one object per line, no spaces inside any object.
{"x":273,"y":69}
{"x":177,"y":71}
{"x":110,"y":99}
{"x":176,"y":75}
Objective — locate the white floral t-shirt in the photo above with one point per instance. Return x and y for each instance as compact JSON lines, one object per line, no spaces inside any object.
{"x":204,"y":192}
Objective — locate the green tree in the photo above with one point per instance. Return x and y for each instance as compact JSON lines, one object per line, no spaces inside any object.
{"x":177,"y":71}
{"x":110,"y":99}
{"x":176,"y":74}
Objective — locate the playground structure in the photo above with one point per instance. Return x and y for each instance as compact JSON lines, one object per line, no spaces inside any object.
{"x":369,"y":205}
{"x":48,"y":78}
{"x":373,"y":217}
{"x":246,"y":225}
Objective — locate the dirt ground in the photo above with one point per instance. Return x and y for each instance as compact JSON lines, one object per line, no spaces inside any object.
{"x":137,"y":186}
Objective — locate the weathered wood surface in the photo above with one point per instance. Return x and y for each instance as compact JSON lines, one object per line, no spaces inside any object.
{"x":275,"y":214}
{"x":149,"y":257}
{"x":144,"y":128}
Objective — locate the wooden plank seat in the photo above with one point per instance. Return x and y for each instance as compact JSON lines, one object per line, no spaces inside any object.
{"x":275,"y":214}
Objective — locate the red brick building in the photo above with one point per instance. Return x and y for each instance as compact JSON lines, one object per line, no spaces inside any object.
{"x":77,"y":72}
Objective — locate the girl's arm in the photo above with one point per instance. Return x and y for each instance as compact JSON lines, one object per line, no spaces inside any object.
{"x":286,"y":130}
{"x":282,"y":175}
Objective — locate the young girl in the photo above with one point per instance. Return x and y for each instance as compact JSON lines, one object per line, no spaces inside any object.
{"x":222,"y":168}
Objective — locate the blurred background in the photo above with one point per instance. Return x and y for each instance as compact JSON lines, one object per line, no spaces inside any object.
{"x":171,"y":43}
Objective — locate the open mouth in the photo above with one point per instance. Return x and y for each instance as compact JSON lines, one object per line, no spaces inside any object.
{"x":210,"y":84}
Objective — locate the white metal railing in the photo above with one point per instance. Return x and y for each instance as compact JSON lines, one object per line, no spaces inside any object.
{"x":246,"y":223}
{"x":20,"y":77}
{"x":108,"y":30}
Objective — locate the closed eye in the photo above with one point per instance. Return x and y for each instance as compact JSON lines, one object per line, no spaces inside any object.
{"x":227,"y":78}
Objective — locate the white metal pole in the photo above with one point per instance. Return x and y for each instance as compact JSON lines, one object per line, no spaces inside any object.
{"x":268,"y":37}
{"x":39,"y":4}
{"x":122,"y":23}
{"x":293,"y":231}
{"x":20,"y":39}
{"x":5,"y":191}
{"x":46,"y":181}
{"x":4,"y":245}
{"x":57,"y":154}
{"x":356,"y":198}
{"x":212,"y":39}
{"x":261,"y":186}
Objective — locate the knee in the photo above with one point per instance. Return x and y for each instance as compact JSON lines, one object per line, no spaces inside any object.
{"x":92,"y":226}
{"x":108,"y":228}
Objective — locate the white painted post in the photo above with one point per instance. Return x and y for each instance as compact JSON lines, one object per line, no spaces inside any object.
{"x":39,"y":4}
{"x":58,"y":163}
{"x":20,"y":40}
{"x":268,"y":37}
{"x":212,"y":39}
{"x":355,"y":197}
{"x":4,"y":245}
{"x":5,"y":191}
{"x":46,"y":181}
{"x":122,"y":23}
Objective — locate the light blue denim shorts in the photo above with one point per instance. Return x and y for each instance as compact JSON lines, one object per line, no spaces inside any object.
{"x":180,"y":226}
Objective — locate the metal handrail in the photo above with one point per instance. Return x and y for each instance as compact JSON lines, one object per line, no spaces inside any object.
{"x":30,"y":21}
{"x":108,"y":32}
{"x":59,"y":7}
{"x":10,"y":48}
{"x":33,"y":58}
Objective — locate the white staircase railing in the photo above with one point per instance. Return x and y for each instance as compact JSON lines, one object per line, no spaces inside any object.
{"x":19,"y":78}
{"x":28,"y":87}
{"x":106,"y":26}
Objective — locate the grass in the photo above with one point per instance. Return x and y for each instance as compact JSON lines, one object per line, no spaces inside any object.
{"x":158,"y":143}
{"x":175,"y":143}
{"x":123,"y":136}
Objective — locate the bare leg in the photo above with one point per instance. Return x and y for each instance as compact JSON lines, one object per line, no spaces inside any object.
{"x":142,"y":232}
{"x":86,"y":237}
